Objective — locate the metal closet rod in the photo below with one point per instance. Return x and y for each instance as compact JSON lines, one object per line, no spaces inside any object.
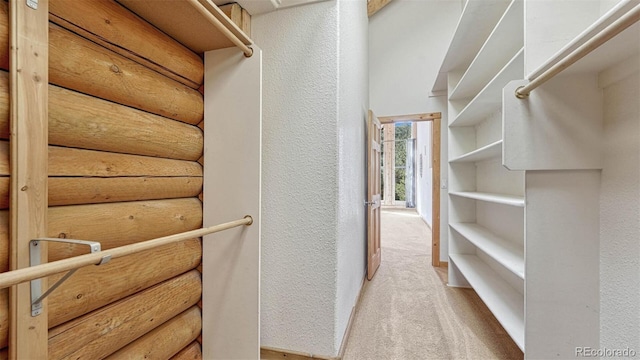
{"x":220,"y":26}
{"x":15,"y":277}
{"x":605,"y":35}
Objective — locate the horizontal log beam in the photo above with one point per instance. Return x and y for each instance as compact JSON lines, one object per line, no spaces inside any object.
{"x":4,"y":192}
{"x":65,"y":161}
{"x":5,"y":169}
{"x":81,"y":65}
{"x":4,"y":318}
{"x":119,"y":224}
{"x":81,"y":121}
{"x":81,"y":190}
{"x":113,"y":224}
{"x":118,"y":29}
{"x":110,"y":328}
{"x":4,"y":35}
{"x":78,"y":162}
{"x":4,"y":241}
{"x":92,"y":287}
{"x":191,"y":352}
{"x":4,"y":104}
{"x":166,"y":340}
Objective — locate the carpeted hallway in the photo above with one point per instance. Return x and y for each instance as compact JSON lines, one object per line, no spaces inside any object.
{"x":407,"y":311}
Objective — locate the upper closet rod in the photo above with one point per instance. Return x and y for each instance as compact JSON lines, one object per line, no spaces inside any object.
{"x":14,"y":277}
{"x":223,"y":29}
{"x":612,"y":30}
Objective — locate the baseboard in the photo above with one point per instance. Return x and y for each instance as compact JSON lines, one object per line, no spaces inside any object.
{"x":347,"y":331}
{"x":269,"y":353}
{"x":425,"y":221}
{"x":444,"y":264}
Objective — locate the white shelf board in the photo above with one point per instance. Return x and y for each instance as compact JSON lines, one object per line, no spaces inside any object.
{"x":622,"y":46}
{"x":505,"y":40}
{"x":491,"y":197}
{"x":183,"y":22}
{"x":477,"y":20}
{"x":506,"y":253}
{"x":490,"y":97}
{"x":506,"y":303}
{"x":490,"y":151}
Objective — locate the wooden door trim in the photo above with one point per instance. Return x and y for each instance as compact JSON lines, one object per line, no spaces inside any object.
{"x":435,"y":118}
{"x":435,"y":193}
{"x":412,"y":117}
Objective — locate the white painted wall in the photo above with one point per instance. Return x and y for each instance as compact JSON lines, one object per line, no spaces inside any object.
{"x":620,"y":211}
{"x":424,"y":192}
{"x":231,"y":261}
{"x":353,"y":106}
{"x":314,"y":103}
{"x":407,"y":42}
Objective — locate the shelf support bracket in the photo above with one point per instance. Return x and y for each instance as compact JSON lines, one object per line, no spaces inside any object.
{"x":34,"y":257}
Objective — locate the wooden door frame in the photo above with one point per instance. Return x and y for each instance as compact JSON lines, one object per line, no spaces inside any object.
{"x":435,"y":118}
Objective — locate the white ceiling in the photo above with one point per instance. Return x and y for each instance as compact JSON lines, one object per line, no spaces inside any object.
{"x":255,"y":7}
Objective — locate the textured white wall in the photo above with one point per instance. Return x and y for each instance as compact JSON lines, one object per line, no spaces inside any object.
{"x":353,"y":105}
{"x":314,"y":105}
{"x":424,"y":191}
{"x":300,"y":161}
{"x":407,"y":42}
{"x":620,"y":215}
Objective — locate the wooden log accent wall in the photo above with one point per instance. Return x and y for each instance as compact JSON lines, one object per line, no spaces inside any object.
{"x":191,"y":352}
{"x":125,"y":165}
{"x":123,"y":32}
{"x":112,"y":327}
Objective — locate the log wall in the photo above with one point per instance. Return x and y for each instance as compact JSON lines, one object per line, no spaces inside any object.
{"x":125,"y":165}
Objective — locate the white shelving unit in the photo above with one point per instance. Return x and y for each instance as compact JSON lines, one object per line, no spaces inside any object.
{"x":504,"y":41}
{"x":490,"y":98}
{"x":489,"y":197}
{"x":486,"y":210}
{"x":505,"y":252}
{"x":538,"y":186}
{"x":504,"y":302}
{"x":478,"y":19}
{"x":484,"y":153}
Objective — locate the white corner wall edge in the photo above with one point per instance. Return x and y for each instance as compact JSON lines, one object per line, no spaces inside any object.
{"x":562,"y":287}
{"x":232,"y":189}
{"x":558,"y":127}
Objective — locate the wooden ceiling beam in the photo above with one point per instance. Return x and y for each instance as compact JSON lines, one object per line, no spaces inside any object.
{"x":373,"y":6}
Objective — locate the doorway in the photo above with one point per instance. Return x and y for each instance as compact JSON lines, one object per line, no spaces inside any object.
{"x":418,"y":168}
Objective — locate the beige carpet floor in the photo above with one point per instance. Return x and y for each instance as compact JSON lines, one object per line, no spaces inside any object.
{"x":408,"y":312}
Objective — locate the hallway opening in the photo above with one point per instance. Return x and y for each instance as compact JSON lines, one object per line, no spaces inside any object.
{"x":407,"y":311}
{"x":410,"y":165}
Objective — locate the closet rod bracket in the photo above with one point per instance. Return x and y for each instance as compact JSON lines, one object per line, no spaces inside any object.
{"x":34,"y":259}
